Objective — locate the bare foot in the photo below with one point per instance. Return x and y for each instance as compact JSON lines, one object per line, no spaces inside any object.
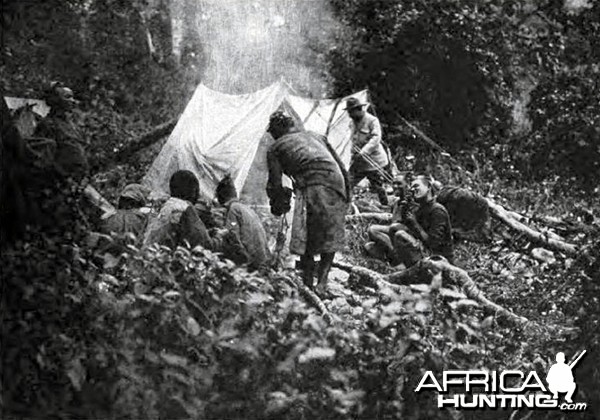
{"x":322,"y":290}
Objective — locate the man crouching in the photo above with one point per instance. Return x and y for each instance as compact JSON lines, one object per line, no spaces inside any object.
{"x":322,"y":194}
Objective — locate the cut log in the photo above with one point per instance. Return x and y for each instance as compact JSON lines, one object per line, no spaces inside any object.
{"x":501,"y":214}
{"x":383,"y":218}
{"x":368,"y":277}
{"x":457,"y":276}
{"x":310,"y":296}
{"x":428,"y":268}
{"x":157,"y":133}
{"x":98,"y":201}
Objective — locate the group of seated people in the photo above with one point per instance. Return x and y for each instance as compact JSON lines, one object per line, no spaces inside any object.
{"x":241,"y":238}
{"x":420,"y":225}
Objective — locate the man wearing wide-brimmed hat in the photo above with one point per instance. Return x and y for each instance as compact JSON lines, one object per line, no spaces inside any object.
{"x":369,"y":157}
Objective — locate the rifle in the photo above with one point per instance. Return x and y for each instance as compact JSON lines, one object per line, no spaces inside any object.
{"x":577,"y":359}
{"x":406,"y":198}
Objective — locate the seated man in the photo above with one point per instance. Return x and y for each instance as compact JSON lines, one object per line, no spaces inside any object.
{"x":244,"y":240}
{"x":178,"y":222}
{"x":130,"y":216}
{"x":428,"y":229}
{"x":380,"y":244}
{"x":70,"y":159}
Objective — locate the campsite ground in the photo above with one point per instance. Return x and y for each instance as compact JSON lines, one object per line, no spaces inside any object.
{"x":509,"y":88}
{"x":184,"y":334}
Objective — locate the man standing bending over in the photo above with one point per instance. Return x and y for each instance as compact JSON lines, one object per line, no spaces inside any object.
{"x":369,"y":157}
{"x":321,"y":189}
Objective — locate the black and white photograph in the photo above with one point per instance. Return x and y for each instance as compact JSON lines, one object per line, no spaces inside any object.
{"x":300,"y":209}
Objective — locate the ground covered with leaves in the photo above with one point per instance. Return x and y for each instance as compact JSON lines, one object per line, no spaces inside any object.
{"x":157,"y":333}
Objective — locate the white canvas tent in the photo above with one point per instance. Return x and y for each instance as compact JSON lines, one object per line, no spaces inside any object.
{"x":37,"y":105}
{"x":220,"y":133}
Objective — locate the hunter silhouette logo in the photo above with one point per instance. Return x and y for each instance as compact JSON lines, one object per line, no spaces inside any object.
{"x":477,"y":389}
{"x":560,"y":377}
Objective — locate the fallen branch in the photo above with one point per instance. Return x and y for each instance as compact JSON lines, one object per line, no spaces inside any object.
{"x":377,"y":281}
{"x":98,"y":201}
{"x":501,"y":214}
{"x":146,"y":139}
{"x":309,"y":295}
{"x":462,"y":278}
{"x":429,"y":268}
{"x":371,"y":217}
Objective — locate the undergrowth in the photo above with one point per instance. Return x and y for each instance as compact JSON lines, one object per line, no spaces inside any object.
{"x":157,"y":333}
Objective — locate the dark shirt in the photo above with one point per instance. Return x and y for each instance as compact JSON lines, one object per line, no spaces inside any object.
{"x":192,"y":230}
{"x":176,"y":223}
{"x":435,"y":221}
{"x":69,"y":157}
{"x":309,"y":160}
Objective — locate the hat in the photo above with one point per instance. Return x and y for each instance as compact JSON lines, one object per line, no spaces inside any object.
{"x":135,"y":192}
{"x":353,"y":103}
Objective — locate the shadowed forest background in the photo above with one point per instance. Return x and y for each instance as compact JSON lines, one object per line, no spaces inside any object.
{"x":507,"y":89}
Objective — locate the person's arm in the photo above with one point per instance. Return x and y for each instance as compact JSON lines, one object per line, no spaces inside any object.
{"x":193,"y":230}
{"x":274,"y":184}
{"x":374,"y":138}
{"x":279,"y":196}
{"x":435,"y":237}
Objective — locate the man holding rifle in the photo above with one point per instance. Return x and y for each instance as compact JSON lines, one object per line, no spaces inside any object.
{"x":369,"y":157}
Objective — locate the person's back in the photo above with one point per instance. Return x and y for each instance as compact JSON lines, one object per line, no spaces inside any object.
{"x":252,"y":234}
{"x":131,"y":216}
{"x":126,"y":221}
{"x":178,"y":222}
{"x":305,"y":157}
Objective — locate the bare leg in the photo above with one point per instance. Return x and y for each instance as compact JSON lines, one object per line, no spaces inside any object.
{"x":307,"y":261}
{"x":324,"y":268}
{"x":376,"y":250}
{"x":408,"y":249}
{"x":380,"y":234}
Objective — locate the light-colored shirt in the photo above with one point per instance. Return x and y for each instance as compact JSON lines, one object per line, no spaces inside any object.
{"x":366,"y":136}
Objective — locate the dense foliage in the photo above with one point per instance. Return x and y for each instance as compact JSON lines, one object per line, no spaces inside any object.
{"x":157,"y":333}
{"x":515,"y":80}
